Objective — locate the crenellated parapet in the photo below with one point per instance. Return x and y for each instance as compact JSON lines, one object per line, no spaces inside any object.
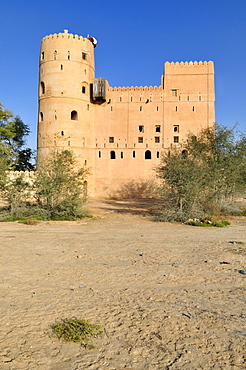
{"x":64,"y":36}
{"x":135,"y":88}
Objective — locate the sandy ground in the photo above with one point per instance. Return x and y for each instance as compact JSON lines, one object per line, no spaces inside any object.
{"x":168,"y":296}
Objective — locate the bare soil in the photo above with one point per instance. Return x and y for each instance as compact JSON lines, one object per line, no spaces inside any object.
{"x":168,"y":296}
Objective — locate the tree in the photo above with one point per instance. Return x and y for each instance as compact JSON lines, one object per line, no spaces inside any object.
{"x":206,"y":172}
{"x":13,"y":134}
{"x":59,"y":185}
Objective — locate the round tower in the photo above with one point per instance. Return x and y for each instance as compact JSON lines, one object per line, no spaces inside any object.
{"x":65,"y":117}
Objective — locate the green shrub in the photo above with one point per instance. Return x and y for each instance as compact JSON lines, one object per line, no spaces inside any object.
{"x":76,"y":330}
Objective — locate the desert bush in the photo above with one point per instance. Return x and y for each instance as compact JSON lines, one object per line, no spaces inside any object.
{"x":76,"y":330}
{"x":202,"y":176}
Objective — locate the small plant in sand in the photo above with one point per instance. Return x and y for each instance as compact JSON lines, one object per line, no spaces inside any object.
{"x":76,"y":330}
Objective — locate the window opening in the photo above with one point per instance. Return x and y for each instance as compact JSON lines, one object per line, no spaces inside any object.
{"x":41,"y":116}
{"x":157,"y":139}
{"x":68,"y":143}
{"x":111,"y":139}
{"x":112,"y":154}
{"x":111,"y":108}
{"x":61,"y":67}
{"x":83,"y":55}
{"x":174,"y":92}
{"x":42,"y":55}
{"x":42,"y":85}
{"x":188,"y":98}
{"x":141,"y":128}
{"x":157,"y":128}
{"x":140,"y":108}
{"x":140,"y":139}
{"x":193,"y":108}
{"x":68,"y":55}
{"x":55,"y":54}
{"x":99,"y":154}
{"x":74,"y":115}
{"x":121,"y":155}
{"x":157,"y":154}
{"x":176,"y":139}
{"x":85,"y":187}
{"x":176,"y":128}
{"x":83,"y":89}
{"x":134,"y":154}
{"x":148,"y":154}
{"x":176,"y":108}
{"x":157,"y":108}
{"x":200,"y":98}
{"x":88,"y":106}
{"x":62,"y":133}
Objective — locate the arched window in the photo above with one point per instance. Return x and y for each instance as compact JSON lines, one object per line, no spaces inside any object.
{"x":85,"y":187}
{"x":41,"y":115}
{"x":148,"y":154}
{"x":42,"y":87}
{"x":62,"y":133}
{"x":74,"y":115}
{"x":83,"y":89}
{"x":112,"y":154}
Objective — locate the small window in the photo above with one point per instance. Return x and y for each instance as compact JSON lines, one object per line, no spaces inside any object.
{"x":55,"y":54}
{"x":74,"y":115}
{"x":179,"y":97}
{"x":141,"y":128}
{"x":112,"y":154}
{"x":121,"y":155}
{"x":147,"y":154}
{"x":157,"y":139}
{"x":111,"y":108}
{"x":120,"y":99}
{"x":174,"y":92}
{"x":41,"y":115}
{"x":176,"y":128}
{"x":61,"y":67}
{"x":157,"y":128}
{"x":176,"y":139}
{"x":188,"y":98}
{"x":157,"y":108}
{"x":200,"y":98}
{"x":99,"y":154}
{"x":140,"y":139}
{"x":42,"y":87}
{"x":88,"y":106}
{"x":131,"y":99}
{"x":68,"y":143}
{"x":83,"y":89}
{"x":140,"y":99}
{"x":193,"y":109}
{"x":62,"y":133}
{"x":83,"y":55}
{"x":42,"y":55}
{"x":111,"y":139}
{"x":157,"y":154}
{"x":134,"y":154}
{"x":55,"y":117}
{"x":140,"y":108}
{"x":176,"y":108}
{"x":68,"y":55}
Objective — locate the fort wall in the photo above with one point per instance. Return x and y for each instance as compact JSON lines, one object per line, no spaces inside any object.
{"x":120,"y":137}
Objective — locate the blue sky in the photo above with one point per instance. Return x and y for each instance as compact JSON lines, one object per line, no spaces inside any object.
{"x":135,"y":39}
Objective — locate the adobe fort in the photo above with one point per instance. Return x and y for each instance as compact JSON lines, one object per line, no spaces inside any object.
{"x":117,"y":132}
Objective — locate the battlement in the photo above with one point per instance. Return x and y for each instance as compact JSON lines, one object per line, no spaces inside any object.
{"x":64,"y":35}
{"x":195,"y":63}
{"x":136,"y":88}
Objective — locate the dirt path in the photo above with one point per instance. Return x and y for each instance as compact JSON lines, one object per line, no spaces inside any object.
{"x":168,"y":296}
